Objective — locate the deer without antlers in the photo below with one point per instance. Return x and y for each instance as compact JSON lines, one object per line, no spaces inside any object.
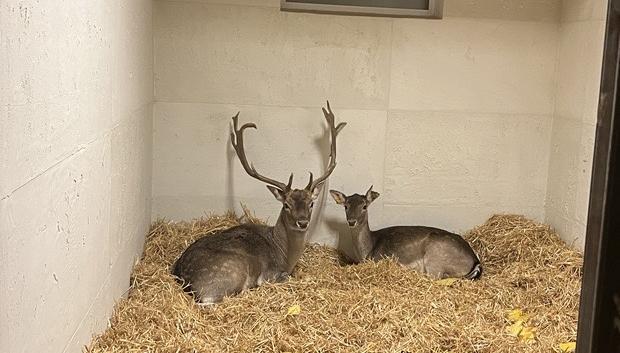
{"x":428,"y":250}
{"x":247,"y":255}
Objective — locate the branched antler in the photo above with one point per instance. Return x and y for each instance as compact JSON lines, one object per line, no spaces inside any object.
{"x":236,"y":138}
{"x":334,"y":130}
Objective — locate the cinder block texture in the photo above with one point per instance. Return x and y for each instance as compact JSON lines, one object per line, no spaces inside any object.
{"x":76,"y":93}
{"x":580,"y":53}
{"x":521,"y":10}
{"x":450,"y":120}
{"x":456,"y":161}
{"x":254,"y":55}
{"x":473,"y":65}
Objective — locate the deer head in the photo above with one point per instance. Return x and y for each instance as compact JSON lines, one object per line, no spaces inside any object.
{"x":355,"y":206}
{"x":297,"y":204}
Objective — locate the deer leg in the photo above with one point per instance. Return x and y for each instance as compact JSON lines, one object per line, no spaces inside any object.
{"x":208,"y":301}
{"x":211,"y":288}
{"x":282,"y":277}
{"x":417,"y":265}
{"x":436,"y":270}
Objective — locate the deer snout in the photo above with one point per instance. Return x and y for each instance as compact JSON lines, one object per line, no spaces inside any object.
{"x":303,"y":224}
{"x":352,"y":223}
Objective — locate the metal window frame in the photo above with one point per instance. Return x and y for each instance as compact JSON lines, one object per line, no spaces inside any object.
{"x":435,"y":10}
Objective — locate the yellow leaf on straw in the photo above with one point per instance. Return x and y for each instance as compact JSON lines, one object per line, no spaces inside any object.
{"x":516,"y":315}
{"x":294,"y":310}
{"x":568,"y":346}
{"x":528,"y":334}
{"x":515,"y":329}
{"x":446,"y":282}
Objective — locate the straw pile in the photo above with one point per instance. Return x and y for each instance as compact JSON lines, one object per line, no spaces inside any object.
{"x":371,"y":307}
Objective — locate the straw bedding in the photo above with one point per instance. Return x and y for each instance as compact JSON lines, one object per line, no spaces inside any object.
{"x":328,"y":306}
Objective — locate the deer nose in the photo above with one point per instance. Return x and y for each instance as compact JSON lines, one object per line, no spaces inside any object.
{"x":302,"y":224}
{"x":352,"y":223}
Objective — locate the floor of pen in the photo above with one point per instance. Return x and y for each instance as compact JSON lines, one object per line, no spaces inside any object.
{"x":526,"y":301}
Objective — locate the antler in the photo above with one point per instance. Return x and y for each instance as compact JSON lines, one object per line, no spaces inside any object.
{"x":236,"y":138}
{"x":334,"y":130}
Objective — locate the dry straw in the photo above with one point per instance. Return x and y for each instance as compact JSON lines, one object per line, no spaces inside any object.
{"x":372,"y":307}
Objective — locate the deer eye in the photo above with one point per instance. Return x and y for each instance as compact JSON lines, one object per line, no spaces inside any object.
{"x":365,"y":207}
{"x":287,"y":207}
{"x":311,"y":204}
{"x":346,"y":207}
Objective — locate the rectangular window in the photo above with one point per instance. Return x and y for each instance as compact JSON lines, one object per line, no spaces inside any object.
{"x":390,"y":8}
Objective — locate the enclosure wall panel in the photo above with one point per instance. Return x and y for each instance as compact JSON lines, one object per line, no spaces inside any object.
{"x":522,"y":10}
{"x":261,"y":56}
{"x":473,"y":65}
{"x":580,"y":53}
{"x":583,"y":10}
{"x":449,"y":119}
{"x":4,"y":72}
{"x":260,"y":3}
{"x":76,"y":93}
{"x":466,"y":164}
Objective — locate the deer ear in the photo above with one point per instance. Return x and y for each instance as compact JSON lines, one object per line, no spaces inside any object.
{"x":339,"y":197}
{"x":317,"y":191}
{"x":371,"y":195}
{"x":279,"y":194}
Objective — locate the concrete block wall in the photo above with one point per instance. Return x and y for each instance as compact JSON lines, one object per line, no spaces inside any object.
{"x":582,"y":28}
{"x":450,"y":120}
{"x":491,"y":109}
{"x":76,"y":93}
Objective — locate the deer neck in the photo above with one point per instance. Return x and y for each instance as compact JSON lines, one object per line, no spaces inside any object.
{"x":289,"y":241}
{"x":363,"y":240}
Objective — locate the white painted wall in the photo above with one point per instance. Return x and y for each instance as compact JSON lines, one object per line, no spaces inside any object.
{"x":450,"y":120}
{"x":582,"y":28}
{"x":76,"y":94}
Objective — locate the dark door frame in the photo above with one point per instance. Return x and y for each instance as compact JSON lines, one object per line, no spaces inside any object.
{"x":599,"y":316}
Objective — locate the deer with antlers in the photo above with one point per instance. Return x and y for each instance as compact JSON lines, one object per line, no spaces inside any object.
{"x":247,"y":255}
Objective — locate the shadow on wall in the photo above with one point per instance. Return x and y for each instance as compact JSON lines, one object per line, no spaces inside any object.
{"x":333,"y":224}
{"x":230,"y":156}
{"x":323,"y":146}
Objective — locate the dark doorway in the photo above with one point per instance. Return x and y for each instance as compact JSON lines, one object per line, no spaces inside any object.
{"x":599,"y":310}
